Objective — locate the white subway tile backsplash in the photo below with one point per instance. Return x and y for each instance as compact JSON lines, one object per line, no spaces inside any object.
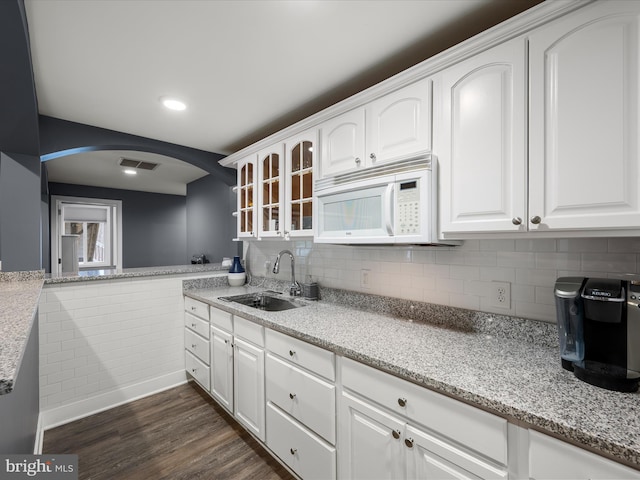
{"x":610,"y":262}
{"x":460,"y":276}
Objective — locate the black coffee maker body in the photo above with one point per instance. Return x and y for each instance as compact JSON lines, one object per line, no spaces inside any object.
{"x":599,"y":330}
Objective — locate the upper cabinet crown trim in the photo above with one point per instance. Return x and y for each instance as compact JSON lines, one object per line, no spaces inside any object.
{"x":516,"y":26}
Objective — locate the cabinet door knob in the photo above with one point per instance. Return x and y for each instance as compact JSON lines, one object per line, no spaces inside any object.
{"x":402,"y":402}
{"x":193,"y":308}
{"x":292,"y":396}
{"x":536,"y":220}
{"x":408,"y":442}
{"x":396,"y":434}
{"x":358,"y":161}
{"x":516,"y":221}
{"x":292,"y":353}
{"x":193,"y":345}
{"x":226,"y":341}
{"x":293,"y":451}
{"x":373,"y":157}
{"x":193,"y":370}
{"x":193,"y":325}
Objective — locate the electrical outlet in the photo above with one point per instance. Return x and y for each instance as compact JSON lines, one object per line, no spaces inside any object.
{"x":501,"y":294}
{"x":364,"y":278}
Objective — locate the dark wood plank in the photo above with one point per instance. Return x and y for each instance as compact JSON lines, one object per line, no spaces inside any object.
{"x":177,"y":434}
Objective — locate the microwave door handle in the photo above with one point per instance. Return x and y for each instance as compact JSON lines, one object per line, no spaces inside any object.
{"x":388,"y":208}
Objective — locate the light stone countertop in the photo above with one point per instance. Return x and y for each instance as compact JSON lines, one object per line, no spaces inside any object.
{"x":19,"y":296}
{"x":113,"y":274}
{"x":507,"y":368}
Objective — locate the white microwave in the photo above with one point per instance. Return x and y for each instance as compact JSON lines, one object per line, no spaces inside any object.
{"x":393,"y":204}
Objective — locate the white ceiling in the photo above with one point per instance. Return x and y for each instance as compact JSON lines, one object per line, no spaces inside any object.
{"x":245,"y":68}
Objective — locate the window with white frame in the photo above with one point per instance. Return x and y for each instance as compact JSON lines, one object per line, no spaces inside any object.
{"x":86,"y":234}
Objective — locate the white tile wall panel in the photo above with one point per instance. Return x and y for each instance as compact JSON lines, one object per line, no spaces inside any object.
{"x":430,"y":273}
{"x":104,"y":341}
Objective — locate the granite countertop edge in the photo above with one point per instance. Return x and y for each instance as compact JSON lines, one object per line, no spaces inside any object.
{"x":112,"y":274}
{"x":601,"y":439}
{"x":19,"y":298}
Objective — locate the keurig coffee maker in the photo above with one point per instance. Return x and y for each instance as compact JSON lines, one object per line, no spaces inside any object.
{"x":599,"y":330}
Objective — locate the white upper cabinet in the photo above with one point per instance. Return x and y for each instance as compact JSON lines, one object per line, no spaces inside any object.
{"x":270,"y":190}
{"x":394,"y":127}
{"x":343,"y":143}
{"x":581,"y":171}
{"x":480,"y":140}
{"x":247,"y":197}
{"x":399,"y":124}
{"x":300,"y":155}
{"x":584,"y":124}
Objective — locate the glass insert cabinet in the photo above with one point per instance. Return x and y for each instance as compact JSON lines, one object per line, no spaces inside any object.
{"x":281,"y":204}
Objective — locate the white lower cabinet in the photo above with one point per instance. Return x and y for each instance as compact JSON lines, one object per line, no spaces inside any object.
{"x":196,"y":340}
{"x":248,"y":395}
{"x":553,"y":459}
{"x":222,"y":367}
{"x":301,"y":405}
{"x":390,"y":428}
{"x":237,"y":369}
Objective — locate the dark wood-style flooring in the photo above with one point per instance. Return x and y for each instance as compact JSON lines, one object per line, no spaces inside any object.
{"x":177,"y":434}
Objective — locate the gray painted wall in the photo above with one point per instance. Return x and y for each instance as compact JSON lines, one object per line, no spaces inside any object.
{"x":19,"y":212}
{"x":154,"y":225}
{"x":19,"y":409}
{"x":211,"y":226}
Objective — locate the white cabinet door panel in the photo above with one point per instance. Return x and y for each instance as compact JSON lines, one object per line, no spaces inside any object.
{"x":248,"y":372}
{"x":584,"y":119}
{"x":222,"y":367}
{"x":481,"y":145}
{"x":399,"y":124}
{"x":370,"y":442}
{"x":343,"y":143}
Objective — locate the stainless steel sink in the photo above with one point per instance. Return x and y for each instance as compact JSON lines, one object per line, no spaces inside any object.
{"x":267,"y":301}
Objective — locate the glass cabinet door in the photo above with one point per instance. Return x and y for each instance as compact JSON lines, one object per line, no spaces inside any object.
{"x":300,"y":163}
{"x":271,"y":168}
{"x":246,"y":199}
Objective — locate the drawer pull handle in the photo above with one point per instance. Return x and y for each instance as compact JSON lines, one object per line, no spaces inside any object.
{"x":293,"y":451}
{"x":193,"y":345}
{"x":292,"y":353}
{"x":402,"y":402}
{"x":194,"y":308}
{"x":193,"y":325}
{"x":408,"y":442}
{"x":396,"y":434}
{"x":292,"y":396}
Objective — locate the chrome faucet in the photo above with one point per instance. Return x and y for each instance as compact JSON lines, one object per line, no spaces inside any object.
{"x":294,"y":288}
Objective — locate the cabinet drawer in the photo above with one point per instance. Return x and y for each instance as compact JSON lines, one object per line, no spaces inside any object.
{"x":476,"y":429}
{"x":222,"y":319}
{"x":305,"y":453}
{"x":196,"y":324}
{"x":248,"y":330}
{"x":198,"y":370}
{"x":302,"y":395}
{"x":197,"y":345}
{"x":550,"y":458}
{"x":197,"y":308}
{"x":313,"y":358}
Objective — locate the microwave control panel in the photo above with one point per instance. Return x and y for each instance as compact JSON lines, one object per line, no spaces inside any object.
{"x":407,"y":220}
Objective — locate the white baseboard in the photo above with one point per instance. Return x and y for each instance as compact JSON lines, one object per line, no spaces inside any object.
{"x":74,"y":411}
{"x":37,"y":444}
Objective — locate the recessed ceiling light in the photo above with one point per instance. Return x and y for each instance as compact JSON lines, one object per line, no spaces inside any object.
{"x":130,"y":171}
{"x":173,"y":103}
